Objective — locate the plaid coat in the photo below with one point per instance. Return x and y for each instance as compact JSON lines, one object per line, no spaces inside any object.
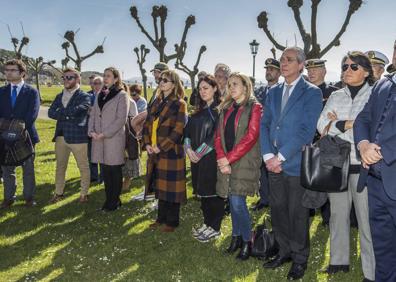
{"x":72,"y":120}
{"x":166,"y":171}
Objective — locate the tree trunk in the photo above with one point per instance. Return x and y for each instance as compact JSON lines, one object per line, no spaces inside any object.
{"x":38,"y":84}
{"x":145,"y":88}
{"x":192,"y":79}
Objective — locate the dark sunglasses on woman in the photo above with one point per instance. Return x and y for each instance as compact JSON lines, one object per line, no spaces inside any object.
{"x":353,"y":67}
{"x":165,"y":80}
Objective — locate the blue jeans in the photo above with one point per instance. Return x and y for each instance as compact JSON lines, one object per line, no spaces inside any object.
{"x":241,"y":225}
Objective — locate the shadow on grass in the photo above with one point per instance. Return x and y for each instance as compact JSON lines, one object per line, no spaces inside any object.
{"x":69,"y":241}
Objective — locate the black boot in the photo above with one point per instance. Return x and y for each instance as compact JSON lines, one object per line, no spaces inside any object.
{"x":235,"y":244}
{"x":244,"y":254}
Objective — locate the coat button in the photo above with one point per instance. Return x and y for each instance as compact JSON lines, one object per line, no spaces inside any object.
{"x":277,"y":127}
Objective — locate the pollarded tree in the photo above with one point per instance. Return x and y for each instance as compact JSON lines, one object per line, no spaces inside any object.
{"x":37,"y":66}
{"x":78,"y":59}
{"x":159,"y":39}
{"x":180,"y":65}
{"x":141,"y":59}
{"x":311,"y":47}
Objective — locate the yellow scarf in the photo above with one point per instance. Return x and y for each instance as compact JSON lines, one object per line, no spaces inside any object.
{"x":154,"y":132}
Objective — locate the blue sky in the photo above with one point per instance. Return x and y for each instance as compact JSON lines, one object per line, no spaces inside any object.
{"x":225,"y":27}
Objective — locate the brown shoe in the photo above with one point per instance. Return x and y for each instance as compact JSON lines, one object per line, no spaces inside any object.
{"x":30,"y":203}
{"x":6,"y":204}
{"x":56,"y":198}
{"x":83,"y":199}
{"x":167,"y":229}
{"x":155,"y":225}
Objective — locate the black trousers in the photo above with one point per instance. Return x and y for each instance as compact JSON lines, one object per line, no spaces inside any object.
{"x":213,"y":211}
{"x":112,"y":178}
{"x":168,"y":213}
{"x":290,"y":220}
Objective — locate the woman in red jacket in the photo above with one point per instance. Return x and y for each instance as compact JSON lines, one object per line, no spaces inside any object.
{"x":238,"y":157}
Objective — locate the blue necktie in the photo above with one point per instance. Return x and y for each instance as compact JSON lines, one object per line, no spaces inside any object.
{"x":14,"y":95}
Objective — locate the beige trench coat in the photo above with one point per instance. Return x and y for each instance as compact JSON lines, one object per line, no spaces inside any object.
{"x":111,"y":122}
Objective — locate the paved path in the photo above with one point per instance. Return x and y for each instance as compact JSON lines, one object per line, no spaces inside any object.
{"x":43,"y":113}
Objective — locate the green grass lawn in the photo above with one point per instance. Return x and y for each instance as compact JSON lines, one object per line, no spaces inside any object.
{"x":48,"y":94}
{"x":68,"y":241}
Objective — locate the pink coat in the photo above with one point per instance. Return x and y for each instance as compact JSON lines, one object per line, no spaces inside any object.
{"x":111,"y":122}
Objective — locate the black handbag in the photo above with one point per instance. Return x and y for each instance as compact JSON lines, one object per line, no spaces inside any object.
{"x":317,"y":172}
{"x":264,"y":245}
{"x":15,"y":142}
{"x":131,"y":142}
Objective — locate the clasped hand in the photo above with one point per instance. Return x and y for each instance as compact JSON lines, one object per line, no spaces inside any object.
{"x":370,"y":153}
{"x":224,"y":165}
{"x":152,"y":149}
{"x":96,"y":136}
{"x":274,"y":165}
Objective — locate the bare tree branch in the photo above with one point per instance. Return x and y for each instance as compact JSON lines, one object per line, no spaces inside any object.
{"x":141,"y":59}
{"x":262,"y":20}
{"x":160,"y":43}
{"x":314,"y":35}
{"x":70,"y":37}
{"x":134,"y":14}
{"x":312,"y":48}
{"x":354,"y":5}
{"x":154,"y":15}
{"x":295,"y":5}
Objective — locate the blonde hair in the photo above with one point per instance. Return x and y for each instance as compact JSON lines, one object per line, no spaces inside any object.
{"x":227,"y":101}
{"x":174,"y":77}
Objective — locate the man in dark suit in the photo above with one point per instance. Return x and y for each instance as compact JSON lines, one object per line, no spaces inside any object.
{"x":272,"y":75}
{"x":375,"y":135}
{"x":70,"y":110}
{"x":19,"y":100}
{"x":290,"y":116}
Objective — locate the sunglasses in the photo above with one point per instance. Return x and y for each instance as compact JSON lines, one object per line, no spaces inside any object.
{"x":68,"y":77}
{"x":165,"y":80}
{"x":353,"y":67}
{"x":97,"y":83}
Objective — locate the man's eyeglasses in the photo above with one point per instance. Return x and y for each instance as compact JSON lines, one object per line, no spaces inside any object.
{"x":353,"y":67}
{"x":68,"y":77}
{"x":287,"y":60}
{"x":165,"y":80}
{"x":97,"y":83}
{"x":11,"y":70}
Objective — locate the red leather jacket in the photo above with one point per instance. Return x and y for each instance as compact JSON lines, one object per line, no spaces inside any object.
{"x":247,"y":142}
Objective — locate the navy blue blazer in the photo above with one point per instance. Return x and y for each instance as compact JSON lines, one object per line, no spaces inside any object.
{"x":365,"y":127}
{"x":289,"y":131}
{"x":72,"y":120}
{"x":26,"y":108}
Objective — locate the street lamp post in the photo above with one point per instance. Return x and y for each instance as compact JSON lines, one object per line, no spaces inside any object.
{"x":254,"y":48}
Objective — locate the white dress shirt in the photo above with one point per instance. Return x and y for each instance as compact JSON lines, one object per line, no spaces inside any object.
{"x":19,"y":86}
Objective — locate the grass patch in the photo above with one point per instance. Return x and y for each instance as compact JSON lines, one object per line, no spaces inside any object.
{"x":48,"y":94}
{"x":68,"y":241}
